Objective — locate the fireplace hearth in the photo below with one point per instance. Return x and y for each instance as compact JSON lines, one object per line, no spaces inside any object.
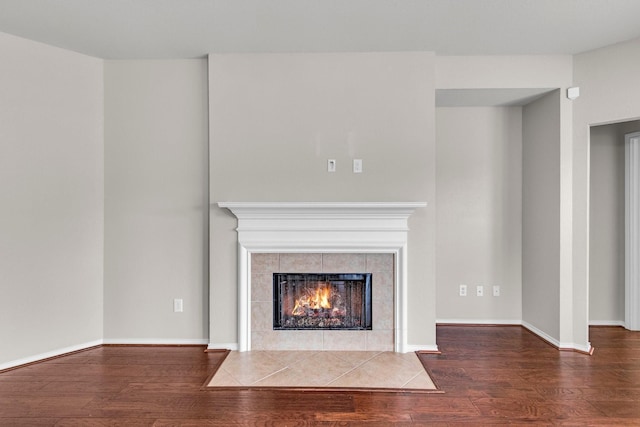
{"x":334,"y":301}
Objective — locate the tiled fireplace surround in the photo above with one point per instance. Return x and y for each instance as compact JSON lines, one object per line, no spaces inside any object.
{"x":380,"y":338}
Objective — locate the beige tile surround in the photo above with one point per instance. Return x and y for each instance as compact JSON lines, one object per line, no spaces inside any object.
{"x":263,"y":337}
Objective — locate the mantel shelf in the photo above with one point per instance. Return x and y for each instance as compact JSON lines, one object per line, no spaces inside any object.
{"x":313,"y":209}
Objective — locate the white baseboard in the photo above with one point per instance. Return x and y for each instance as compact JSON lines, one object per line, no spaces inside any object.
{"x":223,"y":346}
{"x":479,"y":322}
{"x":607,"y":323}
{"x":49,"y":354}
{"x":411,"y":348}
{"x":558,"y":344}
{"x":542,"y":334}
{"x":84,"y":346}
{"x":573,"y":346}
{"x":155,"y":341}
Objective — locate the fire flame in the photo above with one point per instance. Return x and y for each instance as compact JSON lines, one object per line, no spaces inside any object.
{"x":316,"y":300}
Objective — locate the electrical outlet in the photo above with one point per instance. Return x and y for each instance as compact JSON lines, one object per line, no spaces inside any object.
{"x":463,"y":290}
{"x":479,"y":290}
{"x":496,"y":291}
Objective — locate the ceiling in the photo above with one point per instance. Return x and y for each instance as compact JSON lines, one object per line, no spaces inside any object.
{"x":163,"y":29}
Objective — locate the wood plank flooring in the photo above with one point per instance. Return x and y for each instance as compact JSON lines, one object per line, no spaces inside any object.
{"x":490,"y":376}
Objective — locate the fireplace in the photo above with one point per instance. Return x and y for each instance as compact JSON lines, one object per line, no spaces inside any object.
{"x":335,"y":301}
{"x":331,"y":228}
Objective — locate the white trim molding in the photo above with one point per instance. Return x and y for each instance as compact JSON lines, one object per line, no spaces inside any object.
{"x":49,"y":354}
{"x":111,"y":341}
{"x":556,"y":343}
{"x":521,"y":323}
{"x":327,"y":227}
{"x":607,"y":323}
{"x":411,"y":348}
{"x":505,"y":322}
{"x":223,"y":346}
{"x":155,"y":341}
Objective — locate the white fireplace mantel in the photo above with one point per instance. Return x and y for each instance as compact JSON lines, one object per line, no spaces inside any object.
{"x":361,"y":227}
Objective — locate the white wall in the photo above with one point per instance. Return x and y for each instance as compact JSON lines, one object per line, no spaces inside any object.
{"x":156,"y":201}
{"x":609,"y":79}
{"x":606,"y":222}
{"x":479,"y":213}
{"x":51,"y":200}
{"x":274,"y":122}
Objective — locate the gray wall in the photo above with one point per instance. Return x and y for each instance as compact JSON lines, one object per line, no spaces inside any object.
{"x":479,"y":213}
{"x":541,"y":72}
{"x":276,"y":119}
{"x":606,"y":222}
{"x":378,"y":107}
{"x":608,"y":80}
{"x":156,"y":201}
{"x":51,"y":200}
{"x":541,"y":214}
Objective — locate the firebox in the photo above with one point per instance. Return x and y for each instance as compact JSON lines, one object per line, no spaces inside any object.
{"x":322,"y":301}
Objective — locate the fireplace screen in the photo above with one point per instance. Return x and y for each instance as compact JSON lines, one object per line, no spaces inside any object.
{"x":322,"y":301}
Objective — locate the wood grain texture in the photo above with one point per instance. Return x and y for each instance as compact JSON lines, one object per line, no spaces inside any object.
{"x":489,"y":375}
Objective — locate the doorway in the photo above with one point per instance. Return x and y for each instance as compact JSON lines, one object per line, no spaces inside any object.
{"x":632,"y":231}
{"x":607,"y":302}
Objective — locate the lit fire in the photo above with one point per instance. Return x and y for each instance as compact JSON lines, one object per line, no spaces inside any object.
{"x":315,"y":301}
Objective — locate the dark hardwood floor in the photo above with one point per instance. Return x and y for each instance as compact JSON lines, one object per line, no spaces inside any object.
{"x":490,"y":375}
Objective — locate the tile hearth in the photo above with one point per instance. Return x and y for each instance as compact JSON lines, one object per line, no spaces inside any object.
{"x":339,"y":369}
